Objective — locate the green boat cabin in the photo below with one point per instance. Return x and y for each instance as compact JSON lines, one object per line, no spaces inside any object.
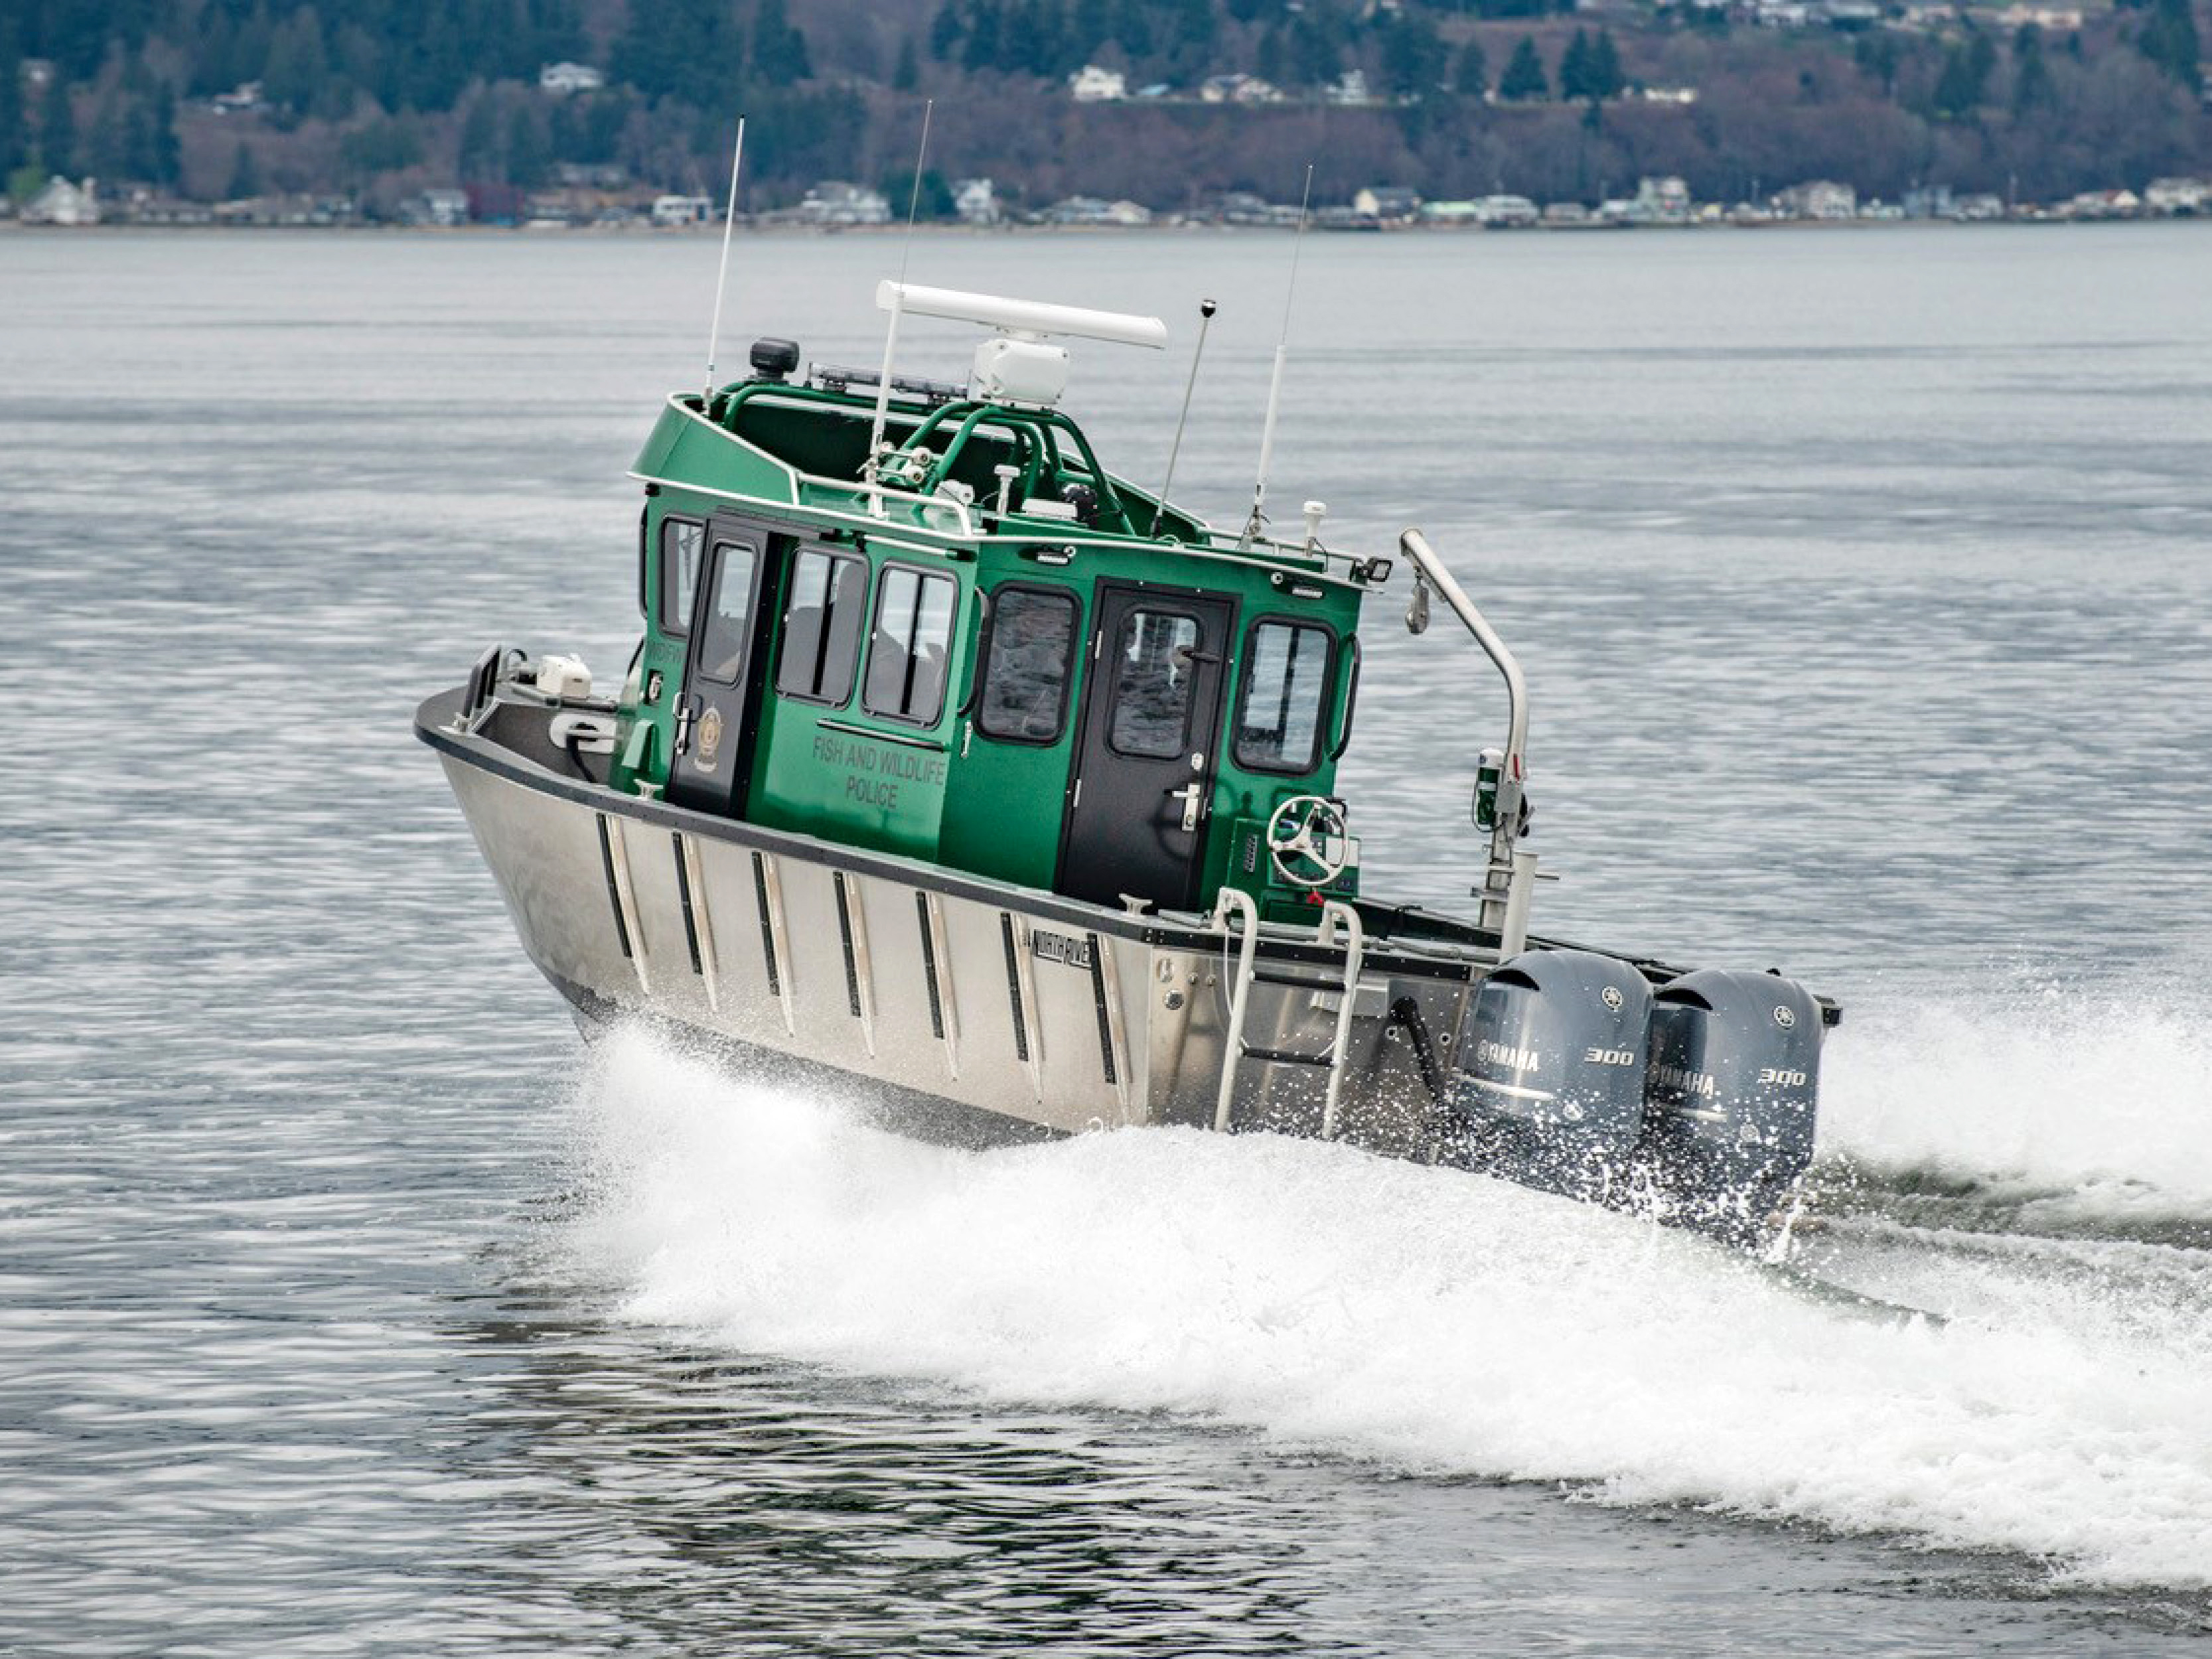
{"x":987,"y":652}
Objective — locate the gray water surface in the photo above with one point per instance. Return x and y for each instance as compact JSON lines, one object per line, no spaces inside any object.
{"x":1864,"y":583}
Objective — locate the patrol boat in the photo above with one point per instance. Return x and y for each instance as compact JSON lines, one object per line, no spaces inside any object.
{"x":955,"y":766}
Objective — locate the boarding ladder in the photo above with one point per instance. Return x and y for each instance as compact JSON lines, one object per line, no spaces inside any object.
{"x":1335,"y":916}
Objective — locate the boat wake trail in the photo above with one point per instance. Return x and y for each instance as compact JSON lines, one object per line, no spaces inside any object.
{"x":1436,"y":1322}
{"x":2034,"y":1112}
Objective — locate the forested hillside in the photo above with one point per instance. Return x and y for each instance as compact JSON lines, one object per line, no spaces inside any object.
{"x":213,"y":99}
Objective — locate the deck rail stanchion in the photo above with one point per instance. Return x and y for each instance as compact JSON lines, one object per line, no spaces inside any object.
{"x":1233,"y":1049}
{"x":1510,"y":873}
{"x":1333,"y":914}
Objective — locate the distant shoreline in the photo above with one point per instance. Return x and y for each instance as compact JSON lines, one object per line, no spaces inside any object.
{"x":546,"y":231}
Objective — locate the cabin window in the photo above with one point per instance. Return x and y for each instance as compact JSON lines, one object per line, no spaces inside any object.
{"x":913,"y":637}
{"x":1286,"y":693}
{"x":721,"y":649}
{"x":682,"y":541}
{"x":1153,"y":678}
{"x":1026,"y":675}
{"x":822,"y":624}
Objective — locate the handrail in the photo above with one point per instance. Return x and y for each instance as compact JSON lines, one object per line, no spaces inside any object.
{"x":1513,"y":774}
{"x":1511,"y":874}
{"x":1334,"y":912}
{"x":1233,"y":1049}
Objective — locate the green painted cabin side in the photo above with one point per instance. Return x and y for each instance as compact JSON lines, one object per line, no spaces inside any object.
{"x":947,"y":669}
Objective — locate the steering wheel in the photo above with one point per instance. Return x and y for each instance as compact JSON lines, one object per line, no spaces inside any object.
{"x":1298,"y":834}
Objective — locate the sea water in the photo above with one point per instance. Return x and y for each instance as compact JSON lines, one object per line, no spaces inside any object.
{"x":348,"y":1306}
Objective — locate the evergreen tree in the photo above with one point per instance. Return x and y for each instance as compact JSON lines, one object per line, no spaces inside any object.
{"x":1877,"y":55}
{"x":244,"y":176}
{"x":2031,"y":87}
{"x":2170,"y":41}
{"x":1413,"y":54}
{"x":779,"y":53}
{"x":1133,"y":30}
{"x":907,"y":74}
{"x":529,"y":147}
{"x":12,"y":148}
{"x":1524,"y":76}
{"x":677,"y":46}
{"x":57,"y":127}
{"x":980,"y":50}
{"x":1607,"y":79}
{"x":1965,"y":75}
{"x":479,"y":156}
{"x":945,"y":33}
{"x":1316,"y":58}
{"x":299,"y":64}
{"x":1471,"y":74}
{"x":1574,"y":67}
{"x":168,"y":153}
{"x":1273,"y":60}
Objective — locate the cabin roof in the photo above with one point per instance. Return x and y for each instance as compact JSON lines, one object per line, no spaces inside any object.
{"x":802,"y":448}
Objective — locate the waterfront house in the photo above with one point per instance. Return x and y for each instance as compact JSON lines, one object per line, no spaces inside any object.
{"x":671,"y":211}
{"x":1387,"y":204}
{"x":1093,"y":85}
{"x":61,"y":203}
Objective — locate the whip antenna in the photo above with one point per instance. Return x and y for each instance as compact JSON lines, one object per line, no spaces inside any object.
{"x":722,"y":275}
{"x":1206,"y":310}
{"x":913,"y":196}
{"x":890,"y":332}
{"x":1275,"y":384}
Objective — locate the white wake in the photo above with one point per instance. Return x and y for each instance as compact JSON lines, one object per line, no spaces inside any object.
{"x":1434,"y":1321}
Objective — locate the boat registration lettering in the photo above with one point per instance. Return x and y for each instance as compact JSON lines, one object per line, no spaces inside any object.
{"x":874,"y":772}
{"x":1061,"y":948}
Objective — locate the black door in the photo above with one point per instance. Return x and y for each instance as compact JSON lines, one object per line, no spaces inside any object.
{"x":1144,"y":765}
{"x":715,"y":720}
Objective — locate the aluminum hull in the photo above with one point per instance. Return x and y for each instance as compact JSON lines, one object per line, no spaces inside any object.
{"x":975,"y":1006}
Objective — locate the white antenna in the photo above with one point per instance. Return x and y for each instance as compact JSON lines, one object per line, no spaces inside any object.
{"x":722,"y":275}
{"x":913,"y":197}
{"x":890,"y":332}
{"x":1275,"y":386}
{"x":1206,"y":310}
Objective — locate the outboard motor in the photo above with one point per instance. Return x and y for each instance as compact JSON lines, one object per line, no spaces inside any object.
{"x":1734,"y":1081}
{"x":1550,"y":1085}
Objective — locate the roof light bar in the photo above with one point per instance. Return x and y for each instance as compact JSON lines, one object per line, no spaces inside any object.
{"x":1035,"y":317}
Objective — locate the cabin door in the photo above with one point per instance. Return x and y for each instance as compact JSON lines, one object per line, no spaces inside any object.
{"x":1145,"y":761}
{"x":715,"y":720}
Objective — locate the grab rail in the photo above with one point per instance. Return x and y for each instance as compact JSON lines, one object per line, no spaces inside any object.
{"x":1237,"y":898}
{"x":1510,"y":873}
{"x":1334,"y":912}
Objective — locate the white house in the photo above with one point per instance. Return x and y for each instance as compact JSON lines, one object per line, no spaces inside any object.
{"x":444,"y":208}
{"x":1092,"y":85}
{"x":1349,"y":88}
{"x":682,"y":209}
{"x":976,"y":202}
{"x":1238,"y":89}
{"x":834,"y":202}
{"x":1820,"y":198}
{"x":562,"y":79}
{"x":1662,"y":201}
{"x":1506,"y":212}
{"x":2178,"y":195}
{"x":61,"y":202}
{"x":1389,"y":204}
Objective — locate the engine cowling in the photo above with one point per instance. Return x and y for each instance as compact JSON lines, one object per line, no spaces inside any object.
{"x":1550,"y":1085}
{"x":1732,"y":1095}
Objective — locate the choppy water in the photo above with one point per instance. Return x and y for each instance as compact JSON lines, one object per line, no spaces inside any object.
{"x":345,"y":1308}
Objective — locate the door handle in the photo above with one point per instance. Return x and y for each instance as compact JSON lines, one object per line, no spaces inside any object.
{"x":1192,"y":796}
{"x":686,"y":711}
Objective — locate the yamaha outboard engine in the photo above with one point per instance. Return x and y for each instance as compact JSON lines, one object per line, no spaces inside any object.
{"x":1735,"y":1078}
{"x":1550,"y":1089}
